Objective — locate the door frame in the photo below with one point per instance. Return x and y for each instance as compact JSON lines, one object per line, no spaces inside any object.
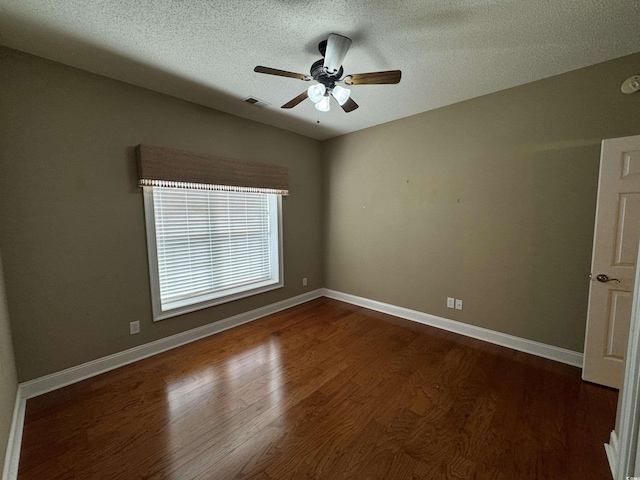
{"x":623,"y":450}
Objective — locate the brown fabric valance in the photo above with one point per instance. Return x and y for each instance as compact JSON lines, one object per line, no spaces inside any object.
{"x":160,"y":166}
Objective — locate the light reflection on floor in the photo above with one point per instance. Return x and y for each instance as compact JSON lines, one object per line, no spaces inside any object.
{"x":217,"y":393}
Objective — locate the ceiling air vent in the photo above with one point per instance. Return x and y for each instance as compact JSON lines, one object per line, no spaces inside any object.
{"x":256,"y":101}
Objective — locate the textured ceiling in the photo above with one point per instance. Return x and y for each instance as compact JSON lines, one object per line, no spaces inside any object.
{"x":205,"y":50}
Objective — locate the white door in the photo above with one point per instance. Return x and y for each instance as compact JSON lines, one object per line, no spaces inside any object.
{"x":613,"y":266}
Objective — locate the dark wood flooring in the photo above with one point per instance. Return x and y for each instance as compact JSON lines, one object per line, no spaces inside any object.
{"x":325,"y":390}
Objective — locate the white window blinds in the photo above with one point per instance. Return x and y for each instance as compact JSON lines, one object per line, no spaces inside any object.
{"x":212,"y":243}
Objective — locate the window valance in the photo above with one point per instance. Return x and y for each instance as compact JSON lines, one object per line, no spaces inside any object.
{"x":166,"y":167}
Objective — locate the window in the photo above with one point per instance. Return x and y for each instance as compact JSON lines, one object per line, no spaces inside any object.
{"x":210,"y":246}
{"x":214,"y":228}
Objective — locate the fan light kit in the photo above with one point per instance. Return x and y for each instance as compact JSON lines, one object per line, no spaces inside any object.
{"x":328,"y":72}
{"x":319,"y":95}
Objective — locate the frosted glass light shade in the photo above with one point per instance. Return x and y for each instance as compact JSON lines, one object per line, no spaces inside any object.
{"x":337,"y":48}
{"x":316,"y":92}
{"x":323,"y":104}
{"x":341,"y":94}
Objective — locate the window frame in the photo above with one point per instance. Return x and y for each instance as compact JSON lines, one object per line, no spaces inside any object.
{"x":207,"y":300}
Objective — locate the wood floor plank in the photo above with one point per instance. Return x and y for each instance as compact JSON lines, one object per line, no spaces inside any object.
{"x":325,"y":390}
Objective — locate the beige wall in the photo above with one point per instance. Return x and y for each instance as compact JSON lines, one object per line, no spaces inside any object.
{"x":491,"y":201}
{"x":71,"y":216}
{"x":8,"y":379}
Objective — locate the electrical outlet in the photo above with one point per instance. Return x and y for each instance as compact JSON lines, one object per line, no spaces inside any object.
{"x":134,"y":327}
{"x":458,"y":304}
{"x":450,"y":302}
{"x":304,"y":282}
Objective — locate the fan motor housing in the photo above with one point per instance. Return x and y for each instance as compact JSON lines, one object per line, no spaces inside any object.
{"x":321,"y":76}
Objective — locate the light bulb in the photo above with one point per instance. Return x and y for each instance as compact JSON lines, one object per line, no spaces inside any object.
{"x":341,"y":94}
{"x":323,"y":104}
{"x":316,"y":92}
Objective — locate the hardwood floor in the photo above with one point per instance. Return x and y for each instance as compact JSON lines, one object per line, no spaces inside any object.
{"x":325,"y":390}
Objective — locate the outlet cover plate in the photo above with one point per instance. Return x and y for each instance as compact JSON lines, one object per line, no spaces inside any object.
{"x":134,"y":327}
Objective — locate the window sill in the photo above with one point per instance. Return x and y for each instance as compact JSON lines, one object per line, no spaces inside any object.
{"x":192,"y":307}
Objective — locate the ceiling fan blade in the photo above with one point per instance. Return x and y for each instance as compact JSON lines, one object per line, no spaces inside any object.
{"x":281,"y":73}
{"x":349,"y":105}
{"x":374,"y":78}
{"x":292,"y":103}
{"x":337,"y":48}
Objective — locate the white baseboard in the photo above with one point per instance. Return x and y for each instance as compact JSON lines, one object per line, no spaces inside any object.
{"x":612,"y":453}
{"x":12,"y":455}
{"x":78,"y":373}
{"x":48,"y":383}
{"x":516,"y":343}
{"x":75,"y":374}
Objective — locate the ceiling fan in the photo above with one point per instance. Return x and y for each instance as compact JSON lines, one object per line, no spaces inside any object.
{"x":328,"y":73}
